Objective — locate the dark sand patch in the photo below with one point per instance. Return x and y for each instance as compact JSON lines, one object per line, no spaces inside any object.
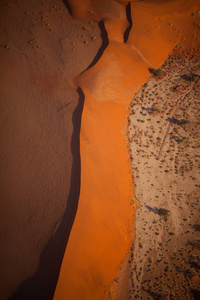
{"x":42,"y":49}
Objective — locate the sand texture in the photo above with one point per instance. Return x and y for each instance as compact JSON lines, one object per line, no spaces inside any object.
{"x":42,"y":49}
{"x":164,"y":259}
{"x":73,"y":173}
{"x":100,"y":236}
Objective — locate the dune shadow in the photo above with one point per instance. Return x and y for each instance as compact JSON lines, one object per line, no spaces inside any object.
{"x":42,"y":284}
{"x":129,"y":19}
{"x":104,"y":45}
{"x":67,"y":6}
{"x":103,"y":35}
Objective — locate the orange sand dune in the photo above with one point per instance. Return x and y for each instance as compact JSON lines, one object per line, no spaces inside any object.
{"x":101,"y":233}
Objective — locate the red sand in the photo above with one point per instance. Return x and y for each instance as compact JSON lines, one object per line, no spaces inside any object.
{"x":40,"y":115}
{"x":101,"y":233}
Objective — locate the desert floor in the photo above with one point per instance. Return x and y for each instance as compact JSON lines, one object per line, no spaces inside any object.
{"x":164,"y":135}
{"x":77,"y":158}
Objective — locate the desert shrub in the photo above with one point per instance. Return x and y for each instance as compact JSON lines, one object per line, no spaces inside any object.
{"x":193,"y":77}
{"x":182,"y":140}
{"x":171,"y":233}
{"x":163,"y":212}
{"x":110,"y":295}
{"x":156,"y":72}
{"x":183,"y":122}
{"x":159,"y":72}
{"x":154,"y":109}
{"x":190,"y":273}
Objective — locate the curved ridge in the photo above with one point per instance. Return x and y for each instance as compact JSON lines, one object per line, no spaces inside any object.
{"x":100,"y":177}
{"x":129,"y":19}
{"x":104,"y":45}
{"x":102,"y":229}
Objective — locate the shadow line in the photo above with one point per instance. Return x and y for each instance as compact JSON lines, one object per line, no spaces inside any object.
{"x":129,"y":19}
{"x":41,"y":286}
{"x":65,"y":2}
{"x":104,"y":45}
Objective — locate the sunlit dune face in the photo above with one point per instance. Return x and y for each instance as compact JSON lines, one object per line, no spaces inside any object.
{"x":101,"y":233}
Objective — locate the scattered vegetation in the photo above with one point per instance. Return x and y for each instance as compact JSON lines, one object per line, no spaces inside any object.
{"x":163,"y":212}
{"x":171,"y":233}
{"x":154,"y":109}
{"x":194,"y":77}
{"x":196,"y":227}
{"x":110,"y":295}
{"x":178,"y":161}
{"x":183,"y":122}
{"x":190,"y":273}
{"x":178,"y":88}
{"x":182,"y":140}
{"x":156,"y":72}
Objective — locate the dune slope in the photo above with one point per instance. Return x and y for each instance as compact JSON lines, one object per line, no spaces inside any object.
{"x":101,"y":233}
{"x":41,"y":50}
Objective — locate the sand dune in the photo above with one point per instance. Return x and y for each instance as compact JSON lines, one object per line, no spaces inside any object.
{"x":108,"y":88}
{"x":42,"y":49}
{"x":88,"y":266}
{"x":100,"y":57}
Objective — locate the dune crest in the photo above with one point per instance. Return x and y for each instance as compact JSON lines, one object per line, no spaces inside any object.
{"x":102,"y":230}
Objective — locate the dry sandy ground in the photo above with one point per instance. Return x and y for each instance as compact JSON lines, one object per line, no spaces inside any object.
{"x":42,"y":51}
{"x":164,"y":259}
{"x":100,"y":235}
{"x":42,"y":48}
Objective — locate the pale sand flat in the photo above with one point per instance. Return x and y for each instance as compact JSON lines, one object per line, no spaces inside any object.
{"x":165,"y":257}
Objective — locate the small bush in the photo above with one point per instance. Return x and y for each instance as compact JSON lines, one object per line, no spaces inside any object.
{"x":156,"y":72}
{"x":183,"y":122}
{"x":154,"y":109}
{"x":190,"y":273}
{"x":110,"y":295}
{"x":163,"y":212}
{"x":171,"y":233}
{"x":182,"y":140}
{"x":193,"y":78}
{"x":159,"y":72}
